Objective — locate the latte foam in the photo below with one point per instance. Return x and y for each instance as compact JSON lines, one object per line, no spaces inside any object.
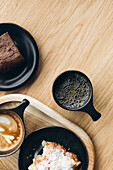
{"x":11,"y":131}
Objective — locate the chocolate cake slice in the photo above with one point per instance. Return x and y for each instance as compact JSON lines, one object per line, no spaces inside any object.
{"x":10,"y":56}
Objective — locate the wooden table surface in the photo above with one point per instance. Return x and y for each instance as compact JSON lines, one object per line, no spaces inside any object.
{"x":71,"y":35}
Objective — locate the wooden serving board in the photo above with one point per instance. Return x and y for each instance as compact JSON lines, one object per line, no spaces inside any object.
{"x":38,"y":115}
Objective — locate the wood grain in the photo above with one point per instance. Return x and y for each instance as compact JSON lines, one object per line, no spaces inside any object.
{"x":71,"y":35}
{"x":39,"y":115}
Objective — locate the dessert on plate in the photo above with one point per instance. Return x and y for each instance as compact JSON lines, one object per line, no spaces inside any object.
{"x":10,"y":56}
{"x":54,"y":157}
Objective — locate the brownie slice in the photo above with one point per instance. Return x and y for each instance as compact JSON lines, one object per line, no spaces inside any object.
{"x":10,"y":56}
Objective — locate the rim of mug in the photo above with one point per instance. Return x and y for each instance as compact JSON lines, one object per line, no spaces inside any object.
{"x":90,"y":96}
{"x":8,"y":153}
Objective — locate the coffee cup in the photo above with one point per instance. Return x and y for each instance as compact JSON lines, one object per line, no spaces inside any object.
{"x":72,"y":90}
{"x":12,"y":128}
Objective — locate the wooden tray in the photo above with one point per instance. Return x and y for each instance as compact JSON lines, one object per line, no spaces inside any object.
{"x":43,"y":116}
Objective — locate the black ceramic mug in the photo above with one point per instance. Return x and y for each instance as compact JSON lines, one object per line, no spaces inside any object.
{"x":74,"y":86}
{"x":12,"y":128}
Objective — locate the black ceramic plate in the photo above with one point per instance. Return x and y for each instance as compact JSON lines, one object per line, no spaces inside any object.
{"x":32,"y":144}
{"x":29,"y":50}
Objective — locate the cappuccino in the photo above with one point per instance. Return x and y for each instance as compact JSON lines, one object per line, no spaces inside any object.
{"x":11,"y":131}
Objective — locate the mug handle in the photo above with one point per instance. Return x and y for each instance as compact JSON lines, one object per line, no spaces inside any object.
{"x":89,"y":108}
{"x":20,"y":108}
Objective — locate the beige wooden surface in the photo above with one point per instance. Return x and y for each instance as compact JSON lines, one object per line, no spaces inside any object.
{"x":71,"y":34}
